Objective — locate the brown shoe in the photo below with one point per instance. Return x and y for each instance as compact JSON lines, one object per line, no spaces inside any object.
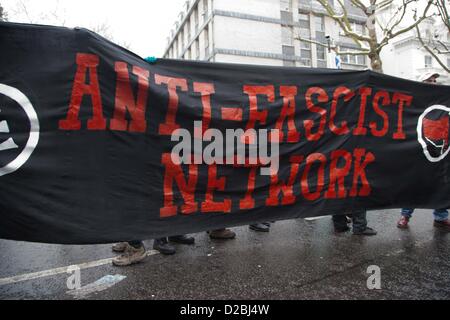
{"x":442,"y":225}
{"x":131,"y":256}
{"x":222,"y":234}
{"x":403,"y":222}
{"x":120,"y":247}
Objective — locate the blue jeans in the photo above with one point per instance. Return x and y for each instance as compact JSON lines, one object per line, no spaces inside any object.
{"x":439,"y":214}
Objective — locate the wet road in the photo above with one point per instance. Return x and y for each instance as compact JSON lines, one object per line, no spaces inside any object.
{"x":298,"y":259}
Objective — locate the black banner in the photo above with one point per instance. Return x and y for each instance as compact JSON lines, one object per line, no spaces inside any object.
{"x":98,"y":146}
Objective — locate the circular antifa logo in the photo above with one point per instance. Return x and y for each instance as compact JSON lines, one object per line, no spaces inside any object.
{"x":433,"y":132}
{"x":19,"y":129}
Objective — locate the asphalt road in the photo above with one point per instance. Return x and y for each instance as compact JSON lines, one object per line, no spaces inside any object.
{"x":297,"y":259}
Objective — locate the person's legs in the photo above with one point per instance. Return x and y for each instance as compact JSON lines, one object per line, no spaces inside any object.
{"x":134,"y":253}
{"x":340,"y":223}
{"x":441,"y":219}
{"x":360,"y":224}
{"x":406,"y":214}
{"x":359,"y":221}
{"x":440,"y":214}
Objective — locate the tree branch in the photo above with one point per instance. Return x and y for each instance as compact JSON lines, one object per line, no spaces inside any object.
{"x":362,"y":51}
{"x":442,"y":64}
{"x":390,"y":34}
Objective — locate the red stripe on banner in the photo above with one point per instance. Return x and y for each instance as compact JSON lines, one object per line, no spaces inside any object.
{"x":232,"y":114}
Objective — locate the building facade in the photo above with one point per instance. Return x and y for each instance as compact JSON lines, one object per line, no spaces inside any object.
{"x":265,"y":32}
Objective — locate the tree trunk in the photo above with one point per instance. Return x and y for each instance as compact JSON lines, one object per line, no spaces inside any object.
{"x":375,"y":62}
{"x":374,"y":55}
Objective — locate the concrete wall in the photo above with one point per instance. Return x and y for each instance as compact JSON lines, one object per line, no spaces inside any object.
{"x":265,"y":8}
{"x":248,"y":35}
{"x":246,"y":60}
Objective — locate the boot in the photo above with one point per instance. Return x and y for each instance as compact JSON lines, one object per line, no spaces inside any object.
{"x":442,"y":225}
{"x":163,"y":246}
{"x":130,"y":256}
{"x":120,"y":247}
{"x":403,"y":222}
{"x":182,"y":239}
{"x":224,"y":234}
{"x":260,"y":227}
{"x":366,"y":232}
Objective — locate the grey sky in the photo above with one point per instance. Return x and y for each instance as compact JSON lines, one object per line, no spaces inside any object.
{"x":143,"y":24}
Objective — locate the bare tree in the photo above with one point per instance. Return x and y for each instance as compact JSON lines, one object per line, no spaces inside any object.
{"x":24,"y":12}
{"x":371,"y":44}
{"x":104,"y":30}
{"x":27,"y":13}
{"x":3,"y":15}
{"x":432,"y":41}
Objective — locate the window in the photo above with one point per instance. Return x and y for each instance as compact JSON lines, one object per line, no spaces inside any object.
{"x":320,"y":53}
{"x":305,"y":33}
{"x":304,"y":20}
{"x":358,"y":28}
{"x":428,"y":61}
{"x":355,"y":27}
{"x":319,"y":24}
{"x":288,"y":50}
{"x":286,"y":35}
{"x":286,"y":17}
{"x":357,"y":59}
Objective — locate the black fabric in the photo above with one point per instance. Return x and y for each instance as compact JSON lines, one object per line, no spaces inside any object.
{"x":97,"y":173}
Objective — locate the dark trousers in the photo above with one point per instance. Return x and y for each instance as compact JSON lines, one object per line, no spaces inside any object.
{"x":359,"y":220}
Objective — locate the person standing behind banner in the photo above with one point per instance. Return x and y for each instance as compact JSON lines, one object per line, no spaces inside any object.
{"x":440,"y":215}
{"x":134,"y":251}
{"x":359,"y":221}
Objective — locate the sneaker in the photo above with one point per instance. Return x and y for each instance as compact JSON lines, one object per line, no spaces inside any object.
{"x":120,"y":247}
{"x":182,"y":239}
{"x":442,"y":225}
{"x":163,"y":246}
{"x":260,"y":227}
{"x":131,"y":256}
{"x":224,"y":234}
{"x":366,"y":232}
{"x":403,"y":222}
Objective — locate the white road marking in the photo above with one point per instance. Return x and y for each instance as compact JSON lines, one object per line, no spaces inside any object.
{"x":315,"y":218}
{"x":55,"y":271}
{"x":101,"y":284}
